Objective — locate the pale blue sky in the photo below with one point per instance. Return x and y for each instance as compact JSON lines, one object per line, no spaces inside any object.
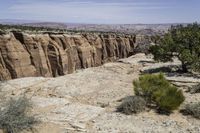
{"x":102,"y":11}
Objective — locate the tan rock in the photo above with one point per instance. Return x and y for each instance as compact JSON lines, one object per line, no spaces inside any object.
{"x":51,"y":55}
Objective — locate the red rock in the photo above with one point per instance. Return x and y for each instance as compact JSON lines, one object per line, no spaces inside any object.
{"x":25,"y":55}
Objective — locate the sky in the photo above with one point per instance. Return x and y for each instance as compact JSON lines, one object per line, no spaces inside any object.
{"x":102,"y":11}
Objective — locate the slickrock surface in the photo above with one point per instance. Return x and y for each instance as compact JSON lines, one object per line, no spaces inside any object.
{"x":51,"y":55}
{"x":86,"y":101}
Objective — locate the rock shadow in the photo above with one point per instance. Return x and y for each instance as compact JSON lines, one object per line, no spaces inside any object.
{"x":163,"y":69}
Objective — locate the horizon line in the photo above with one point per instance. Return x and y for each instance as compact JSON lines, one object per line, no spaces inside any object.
{"x":60,"y":22}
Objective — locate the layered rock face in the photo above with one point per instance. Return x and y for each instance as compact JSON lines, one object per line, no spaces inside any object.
{"x":25,"y":55}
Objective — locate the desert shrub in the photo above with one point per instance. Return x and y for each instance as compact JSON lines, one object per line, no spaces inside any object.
{"x":132,"y":104}
{"x":156,"y":90}
{"x":143,"y":47}
{"x":169,"y":98}
{"x":148,"y":84}
{"x":195,"y":89}
{"x":192,"y":109}
{"x":2,"y":32}
{"x":14,"y":117}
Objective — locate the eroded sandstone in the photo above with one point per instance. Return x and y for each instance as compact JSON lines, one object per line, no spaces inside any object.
{"x":51,"y":55}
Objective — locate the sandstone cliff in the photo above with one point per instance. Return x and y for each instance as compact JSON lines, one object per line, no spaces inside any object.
{"x":25,"y":55}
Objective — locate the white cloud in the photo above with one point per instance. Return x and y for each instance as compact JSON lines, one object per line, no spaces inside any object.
{"x":85,"y":11}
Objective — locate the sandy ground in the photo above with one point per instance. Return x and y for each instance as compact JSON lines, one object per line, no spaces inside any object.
{"x":86,"y":101}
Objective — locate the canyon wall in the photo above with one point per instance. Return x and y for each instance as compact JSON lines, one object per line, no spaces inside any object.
{"x":51,"y":55}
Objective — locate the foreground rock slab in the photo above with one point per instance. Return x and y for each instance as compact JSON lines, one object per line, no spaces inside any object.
{"x":86,"y":101}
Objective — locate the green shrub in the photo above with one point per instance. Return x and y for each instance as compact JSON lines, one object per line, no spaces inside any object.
{"x":156,"y":90}
{"x":169,"y":98}
{"x":148,"y":84}
{"x":14,"y":116}
{"x":195,"y":89}
{"x":132,"y":104}
{"x":193,"y":110}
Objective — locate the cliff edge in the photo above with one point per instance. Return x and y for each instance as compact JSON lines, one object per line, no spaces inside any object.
{"x":51,"y":55}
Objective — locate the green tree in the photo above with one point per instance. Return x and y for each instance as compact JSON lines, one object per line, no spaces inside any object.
{"x":182,"y":42}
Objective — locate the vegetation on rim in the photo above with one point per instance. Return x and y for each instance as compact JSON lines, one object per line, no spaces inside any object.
{"x":38,"y":29}
{"x":182,"y":42}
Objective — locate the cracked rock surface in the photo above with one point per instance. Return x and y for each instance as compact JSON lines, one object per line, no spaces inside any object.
{"x":86,"y":100}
